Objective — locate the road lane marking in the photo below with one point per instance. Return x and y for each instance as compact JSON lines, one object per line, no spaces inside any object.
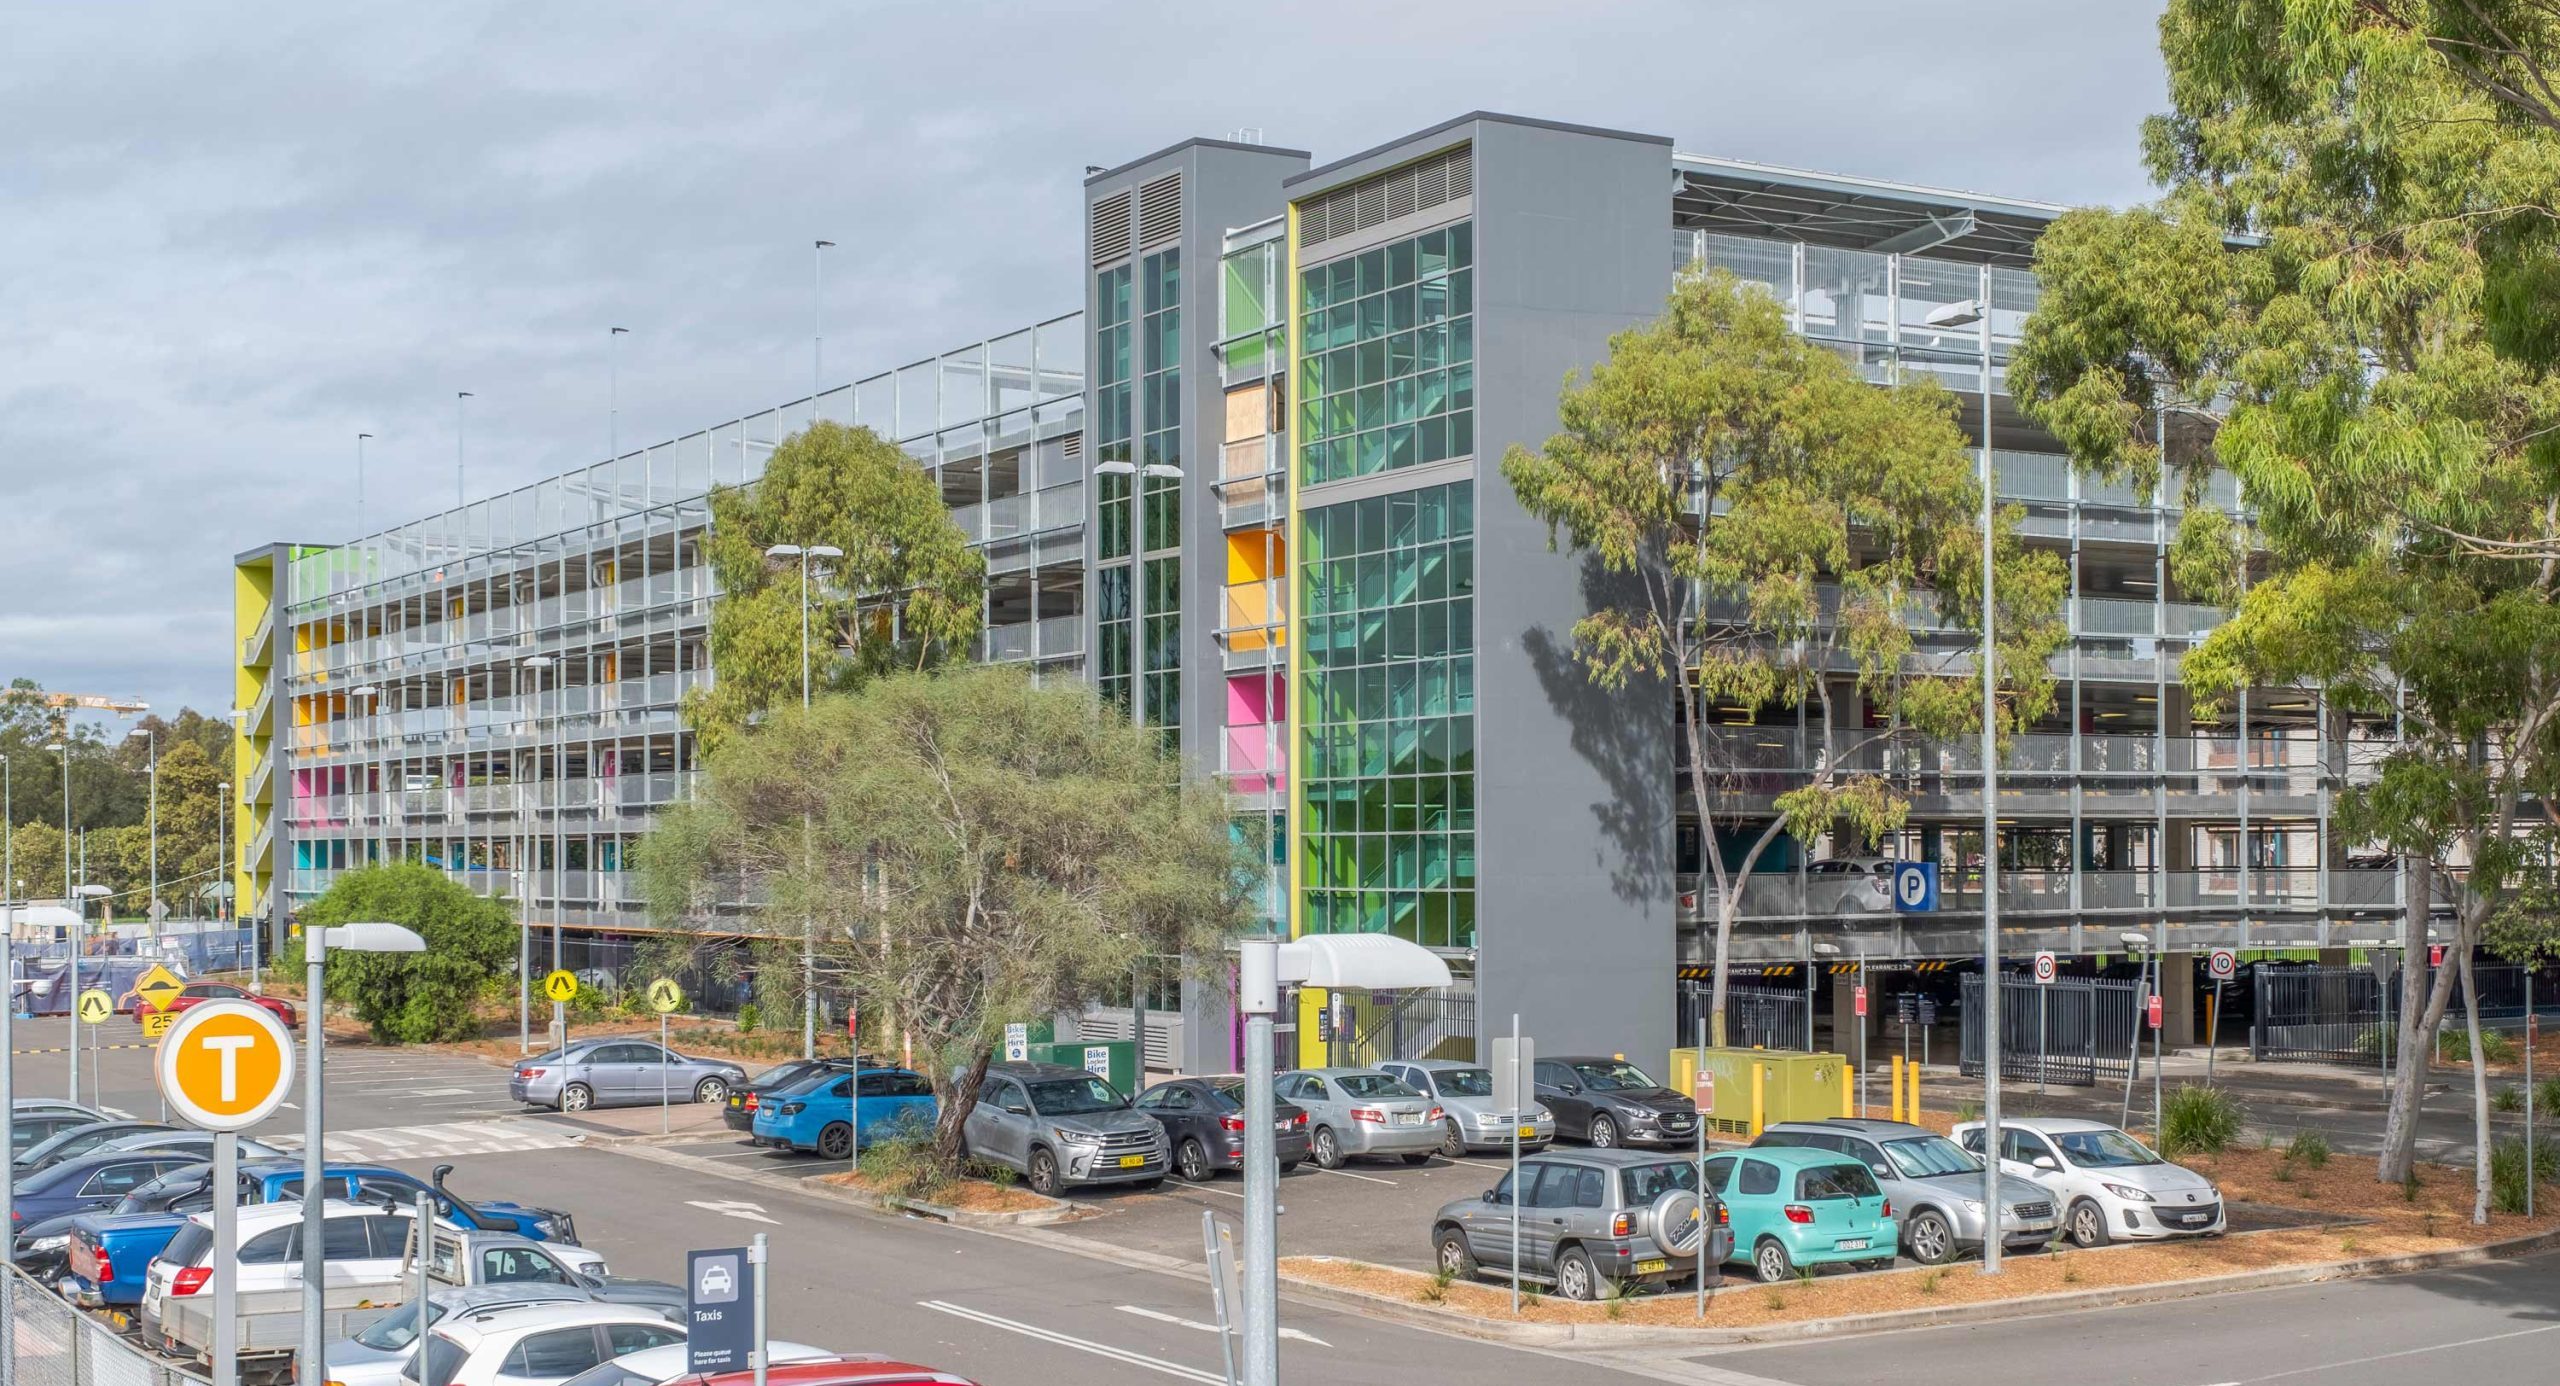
{"x":1506,"y":1169}
{"x":2404,"y":1352}
{"x":1294,"y":1334}
{"x":1105,"y":1350}
{"x":1181,"y":1183}
{"x":1346,"y":1174}
{"x":740,"y":1209}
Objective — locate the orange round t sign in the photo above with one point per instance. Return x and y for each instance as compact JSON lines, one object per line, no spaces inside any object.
{"x":224,"y":1065}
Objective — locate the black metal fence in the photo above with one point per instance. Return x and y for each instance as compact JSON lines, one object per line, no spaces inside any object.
{"x":1754,"y":1017}
{"x":2076,"y":1031}
{"x":2351,"y":1015}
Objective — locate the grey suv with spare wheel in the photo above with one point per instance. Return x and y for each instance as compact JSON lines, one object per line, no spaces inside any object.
{"x":1062,"y":1127}
{"x":1934,"y":1184}
{"x":1593,"y":1223}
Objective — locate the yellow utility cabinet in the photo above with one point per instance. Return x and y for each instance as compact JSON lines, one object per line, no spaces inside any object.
{"x":1792,"y":1086}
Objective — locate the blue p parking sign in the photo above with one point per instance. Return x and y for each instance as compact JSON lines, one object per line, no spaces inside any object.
{"x":1915,"y":887}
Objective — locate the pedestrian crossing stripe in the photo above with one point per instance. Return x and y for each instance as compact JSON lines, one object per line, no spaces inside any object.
{"x":383,"y":1143}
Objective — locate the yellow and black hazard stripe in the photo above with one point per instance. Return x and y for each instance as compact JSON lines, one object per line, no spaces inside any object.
{"x":1938,"y":966}
{"x":1700,"y":972}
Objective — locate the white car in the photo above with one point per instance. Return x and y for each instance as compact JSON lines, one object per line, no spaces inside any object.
{"x":659,"y":1365}
{"x":2111,"y":1187}
{"x":1849,"y":885}
{"x":535,"y":1347}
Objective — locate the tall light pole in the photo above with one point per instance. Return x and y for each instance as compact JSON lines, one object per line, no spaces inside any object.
{"x":808,"y":925}
{"x":461,"y":496}
{"x":316,"y":943}
{"x":818,"y":324}
{"x":613,"y":390}
{"x":70,"y":896}
{"x":151,"y":757}
{"x":360,"y":483}
{"x":222,"y":861}
{"x":8,"y":1046}
{"x":539,"y":664}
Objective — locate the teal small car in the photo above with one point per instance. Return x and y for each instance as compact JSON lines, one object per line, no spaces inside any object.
{"x":1800,"y":1207}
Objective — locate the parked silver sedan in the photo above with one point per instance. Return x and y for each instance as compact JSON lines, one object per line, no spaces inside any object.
{"x":613,"y":1070}
{"x":1471,"y":1119}
{"x":1361,"y":1111}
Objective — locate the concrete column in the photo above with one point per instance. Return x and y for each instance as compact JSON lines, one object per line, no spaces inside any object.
{"x":2178,"y":1000}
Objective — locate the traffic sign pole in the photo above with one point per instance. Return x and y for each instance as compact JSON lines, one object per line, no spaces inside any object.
{"x":226,"y":1258}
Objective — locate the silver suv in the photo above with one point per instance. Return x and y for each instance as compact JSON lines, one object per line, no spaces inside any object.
{"x":1935,"y":1185}
{"x":1058,"y":1126}
{"x":1592,"y":1223}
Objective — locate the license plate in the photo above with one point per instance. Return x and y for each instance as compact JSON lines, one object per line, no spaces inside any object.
{"x":1280,"y":1126}
{"x":2197,"y":1219}
{"x":1408,"y":1118}
{"x":1132,"y":1161}
{"x":1851,"y":1244}
{"x":1652,"y":1267}
{"x":1528,"y":1133}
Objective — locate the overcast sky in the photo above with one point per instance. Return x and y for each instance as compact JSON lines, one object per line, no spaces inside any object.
{"x":237,"y":236}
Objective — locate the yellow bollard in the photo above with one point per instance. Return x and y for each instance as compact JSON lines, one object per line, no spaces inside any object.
{"x":1893,"y":1106}
{"x":1758,"y":1110}
{"x":1848,"y":1091}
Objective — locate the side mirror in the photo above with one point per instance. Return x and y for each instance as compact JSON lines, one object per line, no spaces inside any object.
{"x":2045,"y":1162}
{"x":1022,"y":1109}
{"x":1882,"y":1171}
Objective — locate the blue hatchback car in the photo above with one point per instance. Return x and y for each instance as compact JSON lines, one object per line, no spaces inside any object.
{"x":816,"y":1114}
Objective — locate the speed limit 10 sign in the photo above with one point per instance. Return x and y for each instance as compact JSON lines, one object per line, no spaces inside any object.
{"x":224,"y":1065}
{"x":2223,"y":964}
{"x":2046,"y":969}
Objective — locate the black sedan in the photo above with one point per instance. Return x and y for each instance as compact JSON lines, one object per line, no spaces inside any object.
{"x":1203,"y":1121}
{"x":738,"y":1113}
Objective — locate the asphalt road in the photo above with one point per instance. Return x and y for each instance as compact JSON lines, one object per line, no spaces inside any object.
{"x":2496,"y":1323}
{"x":998,"y":1310}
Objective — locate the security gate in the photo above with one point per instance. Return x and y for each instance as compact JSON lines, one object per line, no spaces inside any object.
{"x":2075,"y":1031}
{"x":2332,"y":1013}
{"x":1754,"y":1017}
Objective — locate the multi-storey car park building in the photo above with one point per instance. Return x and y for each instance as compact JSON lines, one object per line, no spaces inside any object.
{"x":1252,"y":491}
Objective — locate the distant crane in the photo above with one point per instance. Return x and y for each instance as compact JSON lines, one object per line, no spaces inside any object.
{"x":60,"y":704}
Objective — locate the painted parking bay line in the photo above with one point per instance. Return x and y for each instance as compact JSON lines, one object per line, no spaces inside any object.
{"x":1294,"y":1334}
{"x":1104,"y":1350}
{"x":1346,"y":1174}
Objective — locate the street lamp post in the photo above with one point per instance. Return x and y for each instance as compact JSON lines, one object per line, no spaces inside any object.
{"x":808,"y":926}
{"x":151,"y":906}
{"x":461,"y":497}
{"x":360,"y":438}
{"x":818,"y":325}
{"x":524,"y":964}
{"x":316,"y":943}
{"x":222,"y":872}
{"x":613,"y":390}
{"x":70,"y":896}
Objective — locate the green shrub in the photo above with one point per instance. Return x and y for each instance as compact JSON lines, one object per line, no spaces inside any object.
{"x":905,"y":1167}
{"x":2371,"y":1041}
{"x":2198,"y":1121}
{"x":2506,"y":1170}
{"x":2453,"y":1046}
{"x":2546,"y":1097}
{"x":750,"y":1016}
{"x":1968,"y":1111}
{"x":2507,"y":1099}
{"x":2310,"y":1147}
{"x":413,"y":998}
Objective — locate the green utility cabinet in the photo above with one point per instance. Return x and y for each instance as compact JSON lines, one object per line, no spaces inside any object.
{"x":1794,"y":1086}
{"x":1115,"y":1060}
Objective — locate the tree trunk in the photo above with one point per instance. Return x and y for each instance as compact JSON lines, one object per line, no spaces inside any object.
{"x":2479,"y":1089}
{"x":1728,"y":904}
{"x":954,"y":1106}
{"x":2421,"y":1010}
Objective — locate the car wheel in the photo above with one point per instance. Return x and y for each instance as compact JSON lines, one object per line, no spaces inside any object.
{"x":1192,"y":1161}
{"x":1422,"y":1158}
{"x":1453,"y":1142}
{"x":577,"y":1097}
{"x":1604,"y":1132}
{"x":1328,"y":1151}
{"x":2088,"y":1225}
{"x":1044,"y":1174}
{"x":1452,"y":1256}
{"x":711,"y":1090}
{"x":1930,"y":1240}
{"x":1287,"y":1165}
{"x":1770,"y":1261}
{"x":1880,"y":1264}
{"x":1577,"y":1278}
{"x":836,"y":1141}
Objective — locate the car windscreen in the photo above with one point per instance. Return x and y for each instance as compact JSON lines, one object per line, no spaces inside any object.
{"x":1836,"y":1181}
{"x":1612,"y":1077}
{"x":1373,"y":1085}
{"x":189,"y":1246}
{"x":399,"y":1328}
{"x":1231,"y":1092}
{"x":444,"y":1358}
{"x":2105,"y":1149}
{"x":1645,"y":1183}
{"x":612,"y":1374}
{"x":1920,"y":1157}
{"x":776,"y":1074}
{"x":1464,"y":1082}
{"x":1073,"y":1096}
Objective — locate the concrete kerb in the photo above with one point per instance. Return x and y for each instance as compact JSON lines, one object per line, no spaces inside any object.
{"x":1612,"y":1335}
{"x":645,"y":1147}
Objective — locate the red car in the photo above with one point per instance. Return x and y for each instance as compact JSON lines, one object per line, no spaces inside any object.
{"x":843,"y":1371}
{"x":196,"y":993}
